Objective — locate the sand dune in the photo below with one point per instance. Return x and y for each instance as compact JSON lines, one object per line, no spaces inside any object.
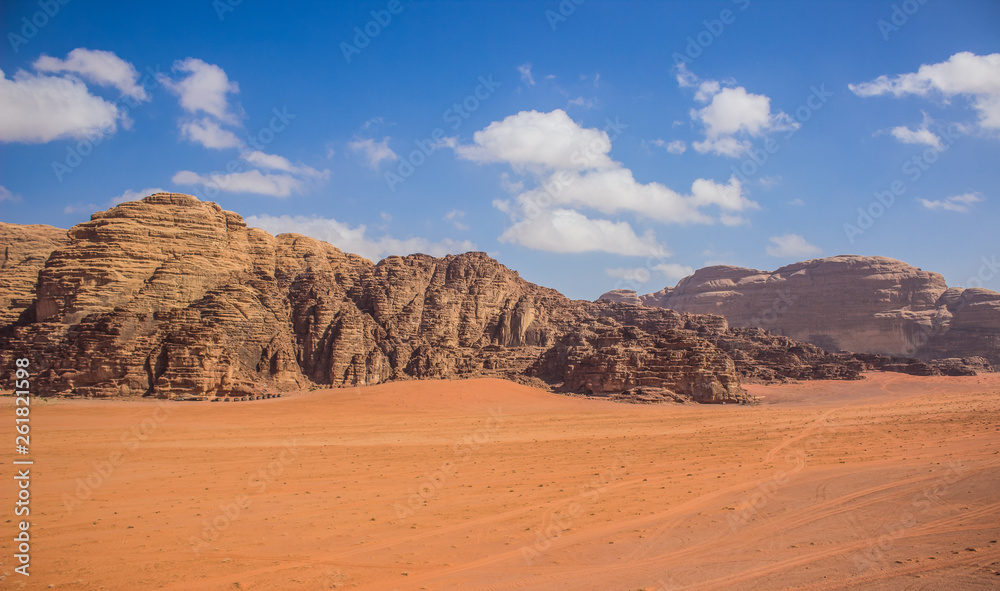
{"x":888,"y":483}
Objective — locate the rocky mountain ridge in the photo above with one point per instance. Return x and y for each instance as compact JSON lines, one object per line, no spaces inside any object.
{"x":870,"y":304}
{"x":173,"y":297}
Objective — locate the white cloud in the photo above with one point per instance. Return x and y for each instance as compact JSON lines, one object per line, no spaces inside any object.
{"x":374,"y":151}
{"x":454,"y":216}
{"x":732,"y":115}
{"x":540,"y":141}
{"x":130,"y":195}
{"x":582,"y":102}
{"x":208,"y":133}
{"x":275,"y":162}
{"x":571,"y":170}
{"x":6,"y":195}
{"x":959,"y":203}
{"x":797,"y":202}
{"x":630,"y":274}
{"x":673,"y":271}
{"x":99,"y":67}
{"x":674,"y":147}
{"x":204,"y":89}
{"x":512,"y":187}
{"x":250,"y":181}
{"x":791,"y":245}
{"x":566,"y":230}
{"x":39,"y":109}
{"x":677,"y":147}
{"x":976,"y":77}
{"x":769,"y":182}
{"x":526,"y":77}
{"x":921,"y":135}
{"x":354,"y":240}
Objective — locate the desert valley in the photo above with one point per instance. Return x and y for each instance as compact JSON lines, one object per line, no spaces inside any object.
{"x":445,"y":424}
{"x":545,"y":295}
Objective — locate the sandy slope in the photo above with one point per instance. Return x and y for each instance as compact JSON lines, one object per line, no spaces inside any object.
{"x":887,"y":483}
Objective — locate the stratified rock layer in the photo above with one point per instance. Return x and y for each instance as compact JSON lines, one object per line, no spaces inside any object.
{"x":23,"y":252}
{"x":852,"y":303}
{"x":174,"y":297}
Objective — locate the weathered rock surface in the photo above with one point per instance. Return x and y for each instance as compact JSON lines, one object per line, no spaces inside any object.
{"x":851,"y":303}
{"x":25,"y":250}
{"x":174,"y":297}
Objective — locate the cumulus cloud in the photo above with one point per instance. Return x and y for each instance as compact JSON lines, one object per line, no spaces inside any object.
{"x":210,"y":134}
{"x":204,"y":88}
{"x":374,"y":152}
{"x":249,"y":181}
{"x":275,"y":162}
{"x":39,"y":109}
{"x":921,"y":135}
{"x":566,"y":230}
{"x":965,"y":74}
{"x":99,"y":67}
{"x":356,"y":240}
{"x":571,"y":170}
{"x":959,"y":203}
{"x":732,"y":116}
{"x":540,"y":141}
{"x":791,"y":245}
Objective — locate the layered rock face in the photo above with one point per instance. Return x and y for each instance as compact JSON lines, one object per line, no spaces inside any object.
{"x":174,"y":297}
{"x":853,"y":303}
{"x":25,"y":250}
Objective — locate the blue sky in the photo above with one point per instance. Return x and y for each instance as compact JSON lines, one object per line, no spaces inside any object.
{"x":589,"y":145}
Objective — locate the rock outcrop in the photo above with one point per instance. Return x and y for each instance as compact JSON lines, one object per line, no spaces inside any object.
{"x":25,"y":250}
{"x":173,"y":297}
{"x":845,"y":303}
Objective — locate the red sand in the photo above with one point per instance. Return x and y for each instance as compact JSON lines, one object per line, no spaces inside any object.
{"x":887,"y":483}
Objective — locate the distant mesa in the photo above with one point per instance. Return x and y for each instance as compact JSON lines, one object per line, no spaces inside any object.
{"x":173,"y":297}
{"x":852,"y":303}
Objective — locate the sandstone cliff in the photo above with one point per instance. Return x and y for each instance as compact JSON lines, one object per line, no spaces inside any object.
{"x":174,"y":297}
{"x":853,"y":303}
{"x":25,"y":250}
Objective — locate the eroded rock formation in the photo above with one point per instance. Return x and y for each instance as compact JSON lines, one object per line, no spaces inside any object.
{"x":174,"y":297}
{"x":852,"y":303}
